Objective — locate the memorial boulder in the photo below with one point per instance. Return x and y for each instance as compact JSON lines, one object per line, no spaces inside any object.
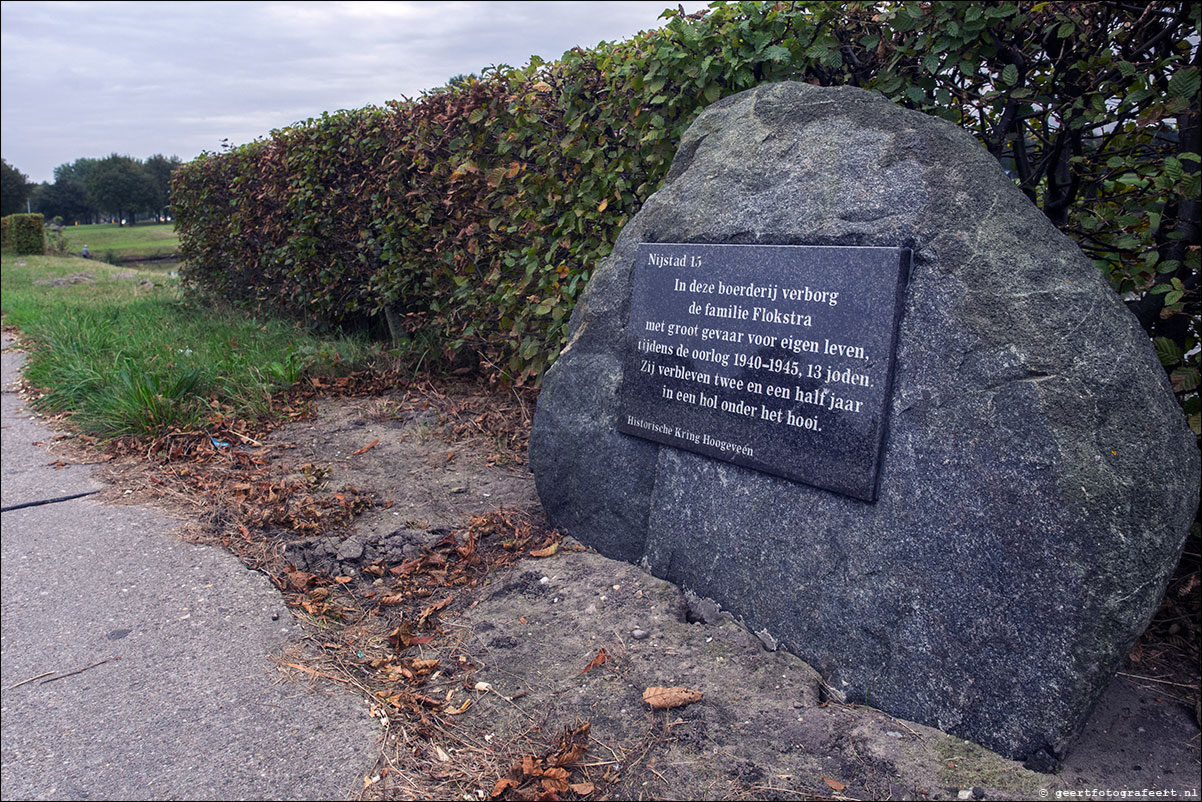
{"x":840,"y":376}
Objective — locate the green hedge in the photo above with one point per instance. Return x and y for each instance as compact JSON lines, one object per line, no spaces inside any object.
{"x":24,"y":234}
{"x":472,"y":216}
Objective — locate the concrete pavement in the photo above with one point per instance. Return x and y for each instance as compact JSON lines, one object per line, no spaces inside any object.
{"x":188,"y":705}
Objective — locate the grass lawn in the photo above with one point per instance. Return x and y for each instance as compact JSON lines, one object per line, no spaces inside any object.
{"x":122,"y":352}
{"x":125,"y":243}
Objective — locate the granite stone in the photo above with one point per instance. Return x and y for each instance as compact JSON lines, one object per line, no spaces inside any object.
{"x":1036,"y":478}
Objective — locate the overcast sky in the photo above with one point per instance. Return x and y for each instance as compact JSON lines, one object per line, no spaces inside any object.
{"x":92,"y":78}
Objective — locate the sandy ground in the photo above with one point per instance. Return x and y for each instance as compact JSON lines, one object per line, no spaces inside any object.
{"x":764,"y":727}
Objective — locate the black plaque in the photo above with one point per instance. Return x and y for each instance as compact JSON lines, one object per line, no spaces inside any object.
{"x":773,"y":357}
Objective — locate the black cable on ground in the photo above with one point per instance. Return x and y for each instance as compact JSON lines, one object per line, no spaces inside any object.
{"x":48,"y":501}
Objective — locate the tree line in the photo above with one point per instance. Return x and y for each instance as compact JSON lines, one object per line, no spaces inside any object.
{"x":90,"y":190}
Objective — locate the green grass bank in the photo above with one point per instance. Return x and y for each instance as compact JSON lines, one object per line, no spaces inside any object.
{"x":122,"y":353}
{"x":113,"y":243}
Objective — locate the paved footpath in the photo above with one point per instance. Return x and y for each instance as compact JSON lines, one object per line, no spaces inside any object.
{"x":194,"y":708}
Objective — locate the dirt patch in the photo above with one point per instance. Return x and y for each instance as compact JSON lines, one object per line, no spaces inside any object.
{"x":63,"y":281}
{"x":764,"y":727}
{"x":418,"y":456}
{"x":503,"y":661}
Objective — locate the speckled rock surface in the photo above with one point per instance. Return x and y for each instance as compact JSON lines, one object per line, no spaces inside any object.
{"x":1037,"y":478}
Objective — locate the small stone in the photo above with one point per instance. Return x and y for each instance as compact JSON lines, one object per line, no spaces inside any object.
{"x":640,"y":634}
{"x":893,"y":734}
{"x":978,"y":792}
{"x":702,"y":609}
{"x":770,"y":643}
{"x":349,"y":550}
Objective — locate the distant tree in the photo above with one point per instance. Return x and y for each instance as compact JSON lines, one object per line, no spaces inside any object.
{"x":14,"y":190}
{"x":462,"y":80}
{"x":160,"y":169}
{"x":120,"y":186}
{"x":37,"y":198}
{"x":66,"y":199}
{"x":76,"y":171}
{"x":69,"y":196}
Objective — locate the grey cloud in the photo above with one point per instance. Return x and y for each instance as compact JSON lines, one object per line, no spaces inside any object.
{"x":88,"y":79}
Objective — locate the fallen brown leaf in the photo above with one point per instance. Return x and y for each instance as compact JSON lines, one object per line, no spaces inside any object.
{"x":462,"y":708}
{"x":835,"y":784}
{"x":555,"y":780}
{"x":572,"y":744}
{"x":402,"y":636}
{"x":299,"y":580}
{"x":596,"y":661}
{"x":424,"y":618}
{"x":570,"y":754}
{"x":503,"y":785}
{"x":547,"y":552}
{"x":367,"y":447}
{"x":667,"y":698}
